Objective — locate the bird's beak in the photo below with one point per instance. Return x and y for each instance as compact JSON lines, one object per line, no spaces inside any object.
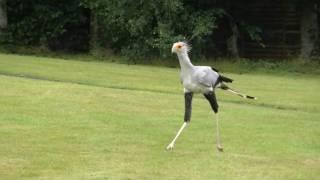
{"x":173,"y":49}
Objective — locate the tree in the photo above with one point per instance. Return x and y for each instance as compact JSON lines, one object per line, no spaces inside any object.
{"x":148,"y":28}
{"x":3,"y":14}
{"x":93,"y":31}
{"x":57,"y":25}
{"x":309,"y":28}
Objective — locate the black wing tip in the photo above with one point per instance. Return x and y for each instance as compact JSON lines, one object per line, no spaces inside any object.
{"x":214,"y":69}
{"x":226,"y":79}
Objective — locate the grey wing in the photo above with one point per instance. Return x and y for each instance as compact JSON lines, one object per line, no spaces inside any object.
{"x":206,"y":76}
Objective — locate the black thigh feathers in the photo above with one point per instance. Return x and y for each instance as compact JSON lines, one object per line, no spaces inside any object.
{"x":211,"y":97}
{"x":188,"y":106}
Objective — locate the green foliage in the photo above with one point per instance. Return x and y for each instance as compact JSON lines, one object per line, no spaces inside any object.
{"x":254,"y":32}
{"x":133,"y":28}
{"x":148,"y":28}
{"x":40,"y":22}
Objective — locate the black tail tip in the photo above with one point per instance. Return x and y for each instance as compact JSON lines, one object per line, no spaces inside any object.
{"x":251,"y":97}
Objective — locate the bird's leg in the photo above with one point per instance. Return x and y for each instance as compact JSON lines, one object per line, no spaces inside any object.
{"x":171,"y":145}
{"x":211,"y":97}
{"x":187,"y":117}
{"x":219,"y":146}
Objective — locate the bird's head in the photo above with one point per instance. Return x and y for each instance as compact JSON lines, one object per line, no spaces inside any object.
{"x":180,"y":47}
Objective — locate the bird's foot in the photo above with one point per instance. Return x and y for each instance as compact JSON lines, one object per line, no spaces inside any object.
{"x":220,"y":148}
{"x":170,"y":146}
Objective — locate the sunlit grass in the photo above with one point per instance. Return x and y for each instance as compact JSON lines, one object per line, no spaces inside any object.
{"x":91,"y":120}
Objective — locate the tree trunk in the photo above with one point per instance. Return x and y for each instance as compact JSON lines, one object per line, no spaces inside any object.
{"x":309,"y":29}
{"x":3,"y":15}
{"x":93,"y":31}
{"x":232,"y":41}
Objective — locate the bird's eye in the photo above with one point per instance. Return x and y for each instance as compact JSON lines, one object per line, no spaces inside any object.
{"x":179,"y":46}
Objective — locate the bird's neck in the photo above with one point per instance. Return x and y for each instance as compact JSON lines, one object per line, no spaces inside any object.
{"x":184,"y":61}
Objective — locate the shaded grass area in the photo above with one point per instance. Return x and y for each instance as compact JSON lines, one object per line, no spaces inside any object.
{"x":78,"y":120}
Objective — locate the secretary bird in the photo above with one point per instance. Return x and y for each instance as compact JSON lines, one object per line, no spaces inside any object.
{"x":199,"y":79}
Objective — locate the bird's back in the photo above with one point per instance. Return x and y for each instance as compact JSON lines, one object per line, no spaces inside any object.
{"x":199,"y":79}
{"x":206,"y":76}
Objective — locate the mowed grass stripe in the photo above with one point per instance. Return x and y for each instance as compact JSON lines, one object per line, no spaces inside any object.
{"x":102,"y":74}
{"x":283,"y":92}
{"x":81,"y":83}
{"x":237,"y":101}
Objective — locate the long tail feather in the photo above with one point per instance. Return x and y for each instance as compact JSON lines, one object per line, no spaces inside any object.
{"x":241,"y":95}
{"x":225,"y":87}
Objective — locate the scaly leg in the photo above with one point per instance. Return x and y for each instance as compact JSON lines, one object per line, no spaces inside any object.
{"x":171,"y":145}
{"x":187,"y":116}
{"x":219,"y":146}
{"x":211,"y":97}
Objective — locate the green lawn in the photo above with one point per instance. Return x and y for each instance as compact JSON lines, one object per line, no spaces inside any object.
{"x":64,"y":119}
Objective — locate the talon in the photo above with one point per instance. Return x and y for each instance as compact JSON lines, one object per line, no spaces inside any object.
{"x":170,"y":146}
{"x":220,"y":148}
